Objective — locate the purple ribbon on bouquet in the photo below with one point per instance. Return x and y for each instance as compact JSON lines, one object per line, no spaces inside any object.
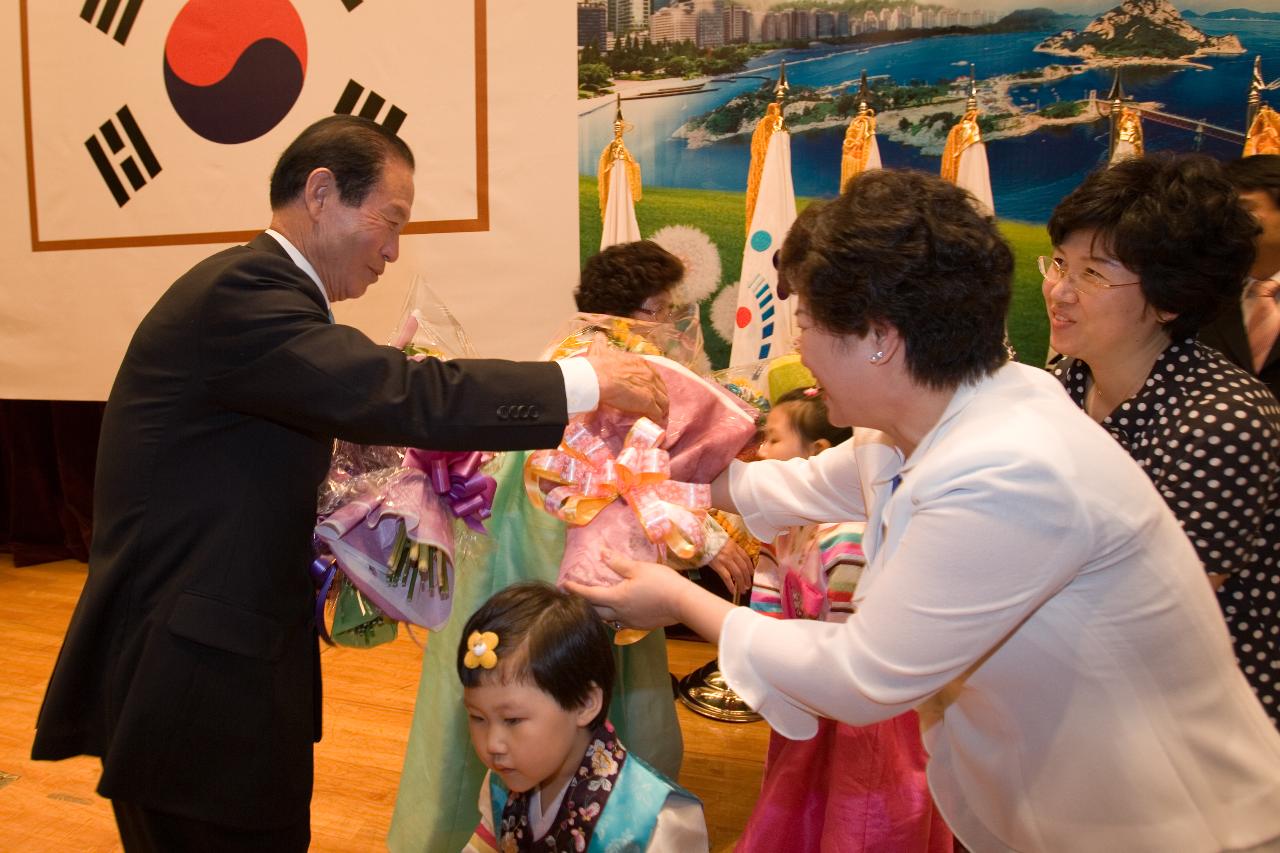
{"x":455,"y":476}
{"x":323,"y":569}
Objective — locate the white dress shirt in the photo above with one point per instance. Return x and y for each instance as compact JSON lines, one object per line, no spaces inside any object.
{"x":581,"y":385}
{"x":1032,"y":594}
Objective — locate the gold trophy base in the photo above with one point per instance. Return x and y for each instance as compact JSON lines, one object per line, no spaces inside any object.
{"x":705,"y":692}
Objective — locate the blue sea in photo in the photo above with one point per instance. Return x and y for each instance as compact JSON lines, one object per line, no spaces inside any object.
{"x":1029,"y":174}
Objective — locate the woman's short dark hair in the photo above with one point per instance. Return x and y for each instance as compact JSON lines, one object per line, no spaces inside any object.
{"x":806,"y":409}
{"x":1177,"y":222}
{"x":355,"y":149}
{"x":548,"y":637}
{"x":618,"y":280}
{"x":1258,"y":173}
{"x":910,"y":250}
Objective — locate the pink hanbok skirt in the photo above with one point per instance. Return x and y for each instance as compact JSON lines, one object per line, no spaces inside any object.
{"x":849,"y":788}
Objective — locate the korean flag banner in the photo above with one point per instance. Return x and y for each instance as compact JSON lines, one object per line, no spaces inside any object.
{"x":146,"y":131}
{"x":154,"y":123}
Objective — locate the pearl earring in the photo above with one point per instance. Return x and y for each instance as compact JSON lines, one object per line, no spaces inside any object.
{"x":876,"y":357}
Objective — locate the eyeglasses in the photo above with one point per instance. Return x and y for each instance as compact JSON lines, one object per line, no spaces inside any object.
{"x":663,"y":314}
{"x":1088,"y":281}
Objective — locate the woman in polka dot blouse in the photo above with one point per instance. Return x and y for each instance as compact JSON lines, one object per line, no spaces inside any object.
{"x":1144,"y":253}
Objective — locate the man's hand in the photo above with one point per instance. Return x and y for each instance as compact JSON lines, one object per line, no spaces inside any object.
{"x":627,"y":382}
{"x":734,"y":567}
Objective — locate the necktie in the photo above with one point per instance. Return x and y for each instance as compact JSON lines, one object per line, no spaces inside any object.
{"x":1261,"y":319}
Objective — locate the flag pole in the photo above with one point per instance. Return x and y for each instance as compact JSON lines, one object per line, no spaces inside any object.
{"x":1256,"y":85}
{"x":1116,"y":101}
{"x":765,"y":128}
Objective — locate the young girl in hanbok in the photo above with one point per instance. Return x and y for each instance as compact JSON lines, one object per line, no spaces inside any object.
{"x":848,"y":788}
{"x":537,"y":670}
{"x":634,"y":283}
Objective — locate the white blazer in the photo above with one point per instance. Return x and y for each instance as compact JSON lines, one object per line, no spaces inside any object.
{"x":1029,"y":591}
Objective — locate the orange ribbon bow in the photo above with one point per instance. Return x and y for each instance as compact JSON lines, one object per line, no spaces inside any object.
{"x":589,"y":478}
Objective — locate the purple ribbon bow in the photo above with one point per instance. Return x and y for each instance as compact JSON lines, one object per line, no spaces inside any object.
{"x":455,"y":476}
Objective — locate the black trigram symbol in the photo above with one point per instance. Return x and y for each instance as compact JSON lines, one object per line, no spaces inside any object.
{"x":109,"y":9}
{"x":373,"y":105}
{"x":109,"y":133}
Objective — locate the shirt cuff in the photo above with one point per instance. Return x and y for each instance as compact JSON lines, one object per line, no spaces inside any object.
{"x":737,"y":635}
{"x":745,"y":505}
{"x":581,"y":385}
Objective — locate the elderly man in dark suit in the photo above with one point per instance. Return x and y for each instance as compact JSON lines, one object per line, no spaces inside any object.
{"x":1247,"y":333}
{"x":191,"y":663}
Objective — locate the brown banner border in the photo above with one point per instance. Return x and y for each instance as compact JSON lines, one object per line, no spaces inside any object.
{"x":430,"y":226}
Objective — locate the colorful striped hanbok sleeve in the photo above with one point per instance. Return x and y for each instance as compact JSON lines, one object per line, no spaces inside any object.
{"x":840,"y":549}
{"x":766,"y":584}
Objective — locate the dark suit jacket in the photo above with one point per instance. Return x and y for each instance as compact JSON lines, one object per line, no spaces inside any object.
{"x":191,"y":663}
{"x":1227,"y":335}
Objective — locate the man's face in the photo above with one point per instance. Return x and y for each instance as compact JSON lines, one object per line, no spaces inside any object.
{"x":353,"y":245}
{"x":1259,"y":203}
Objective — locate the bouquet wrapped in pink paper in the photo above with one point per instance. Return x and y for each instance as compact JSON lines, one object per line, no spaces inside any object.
{"x":679,"y":338}
{"x":635,"y":486}
{"x":392,"y":521}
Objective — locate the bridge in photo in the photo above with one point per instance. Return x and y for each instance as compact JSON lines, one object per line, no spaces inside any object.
{"x":1197,"y":126}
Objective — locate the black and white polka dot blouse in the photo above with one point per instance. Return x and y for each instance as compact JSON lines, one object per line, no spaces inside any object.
{"x":1208,"y":435}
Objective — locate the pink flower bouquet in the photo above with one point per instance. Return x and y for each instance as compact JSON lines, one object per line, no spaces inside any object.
{"x":633,"y":486}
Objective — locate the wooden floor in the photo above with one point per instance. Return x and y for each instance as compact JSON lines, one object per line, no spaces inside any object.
{"x":51,"y":806}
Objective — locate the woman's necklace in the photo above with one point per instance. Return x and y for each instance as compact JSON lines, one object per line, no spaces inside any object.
{"x":1093,"y":402}
{"x":1094,"y":405}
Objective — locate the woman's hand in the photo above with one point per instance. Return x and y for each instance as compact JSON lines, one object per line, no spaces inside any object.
{"x":648,"y":597}
{"x":651,"y":596}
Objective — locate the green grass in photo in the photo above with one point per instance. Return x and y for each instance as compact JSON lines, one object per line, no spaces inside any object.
{"x":720,"y":215}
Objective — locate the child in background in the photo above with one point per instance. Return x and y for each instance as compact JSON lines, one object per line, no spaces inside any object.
{"x":537,"y":672}
{"x":848,"y":788}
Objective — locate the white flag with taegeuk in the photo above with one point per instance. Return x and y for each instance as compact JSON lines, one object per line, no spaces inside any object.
{"x":763,"y":323}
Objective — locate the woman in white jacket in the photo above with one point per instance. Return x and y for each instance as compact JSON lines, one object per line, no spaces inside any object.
{"x":1027,"y":589}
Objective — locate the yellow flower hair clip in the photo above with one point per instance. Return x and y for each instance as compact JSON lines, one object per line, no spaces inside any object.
{"x":481,"y":650}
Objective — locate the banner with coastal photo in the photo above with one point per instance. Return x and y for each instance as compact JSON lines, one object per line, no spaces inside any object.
{"x":145,"y":131}
{"x":695,"y":77}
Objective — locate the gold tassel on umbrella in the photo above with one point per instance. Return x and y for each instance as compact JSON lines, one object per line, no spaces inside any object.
{"x":1126,"y":125}
{"x":964,"y":160}
{"x":858,"y":138}
{"x":619,"y":188}
{"x":964,"y":134}
{"x":1128,"y":134}
{"x":616,"y":155}
{"x":771,"y":122}
{"x":1263,"y":136}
